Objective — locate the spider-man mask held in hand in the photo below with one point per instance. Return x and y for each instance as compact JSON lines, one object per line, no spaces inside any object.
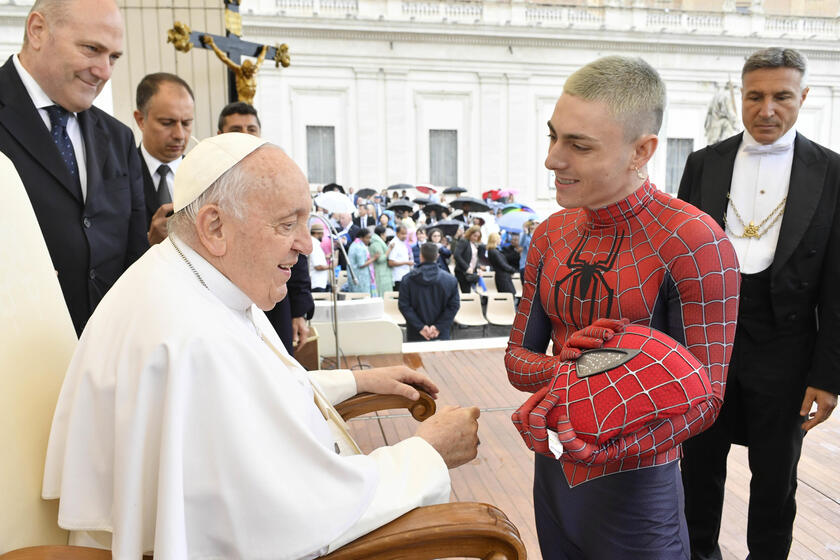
{"x":639,"y":376}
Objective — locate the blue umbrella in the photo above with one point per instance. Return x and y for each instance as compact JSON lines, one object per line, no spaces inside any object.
{"x":512,"y":221}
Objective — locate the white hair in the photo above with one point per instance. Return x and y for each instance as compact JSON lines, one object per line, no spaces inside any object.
{"x":228,"y":192}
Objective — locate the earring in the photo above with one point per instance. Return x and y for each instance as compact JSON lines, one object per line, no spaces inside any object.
{"x":639,"y":173}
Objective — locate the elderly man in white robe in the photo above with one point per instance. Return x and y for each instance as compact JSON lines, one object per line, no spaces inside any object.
{"x":185,"y":429}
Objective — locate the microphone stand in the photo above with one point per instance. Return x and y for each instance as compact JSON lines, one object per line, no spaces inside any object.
{"x":334,"y":291}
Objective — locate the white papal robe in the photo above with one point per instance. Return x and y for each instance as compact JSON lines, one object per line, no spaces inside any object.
{"x":180,"y":431}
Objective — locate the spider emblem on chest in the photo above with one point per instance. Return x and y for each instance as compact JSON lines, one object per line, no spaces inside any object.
{"x":584,"y":281}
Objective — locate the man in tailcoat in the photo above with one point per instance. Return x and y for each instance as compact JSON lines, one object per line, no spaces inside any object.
{"x":79,"y":165}
{"x":776,"y":194}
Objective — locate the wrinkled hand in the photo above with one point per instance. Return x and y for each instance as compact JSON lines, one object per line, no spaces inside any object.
{"x":826,"y":402}
{"x":593,"y":336}
{"x":300,"y":331}
{"x":531,"y":418}
{"x":157,"y":228}
{"x":453,"y":432}
{"x":394,"y":380}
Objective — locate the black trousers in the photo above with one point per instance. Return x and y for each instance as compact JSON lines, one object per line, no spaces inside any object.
{"x":760,"y":410}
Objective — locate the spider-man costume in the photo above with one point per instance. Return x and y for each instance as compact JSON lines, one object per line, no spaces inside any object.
{"x":652,"y":259}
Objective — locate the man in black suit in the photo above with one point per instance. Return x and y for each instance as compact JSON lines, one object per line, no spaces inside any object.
{"x":165,"y":114}
{"x":364,"y":218}
{"x":79,"y":165}
{"x":776,"y":193}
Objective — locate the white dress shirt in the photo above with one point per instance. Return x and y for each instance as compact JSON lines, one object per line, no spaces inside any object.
{"x":760,"y":180}
{"x":41,"y":101}
{"x":317,"y":257}
{"x":153,"y":163}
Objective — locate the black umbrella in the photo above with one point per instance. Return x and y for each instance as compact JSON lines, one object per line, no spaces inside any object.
{"x":423,"y":200}
{"x":470,"y":204}
{"x":333,"y":187}
{"x":400,"y":187}
{"x":447,"y":227}
{"x":438,"y":209}
{"x":454,"y":190}
{"x":401,"y":205}
{"x":366,"y":192}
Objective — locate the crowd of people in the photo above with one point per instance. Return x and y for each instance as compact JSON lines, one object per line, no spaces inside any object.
{"x":183,"y":395}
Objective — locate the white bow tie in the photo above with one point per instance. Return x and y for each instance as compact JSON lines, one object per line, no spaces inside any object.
{"x":762,"y":149}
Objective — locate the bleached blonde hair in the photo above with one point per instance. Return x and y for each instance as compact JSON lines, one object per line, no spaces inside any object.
{"x":630,"y":87}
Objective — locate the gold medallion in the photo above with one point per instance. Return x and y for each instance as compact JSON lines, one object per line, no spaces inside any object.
{"x":751,"y":231}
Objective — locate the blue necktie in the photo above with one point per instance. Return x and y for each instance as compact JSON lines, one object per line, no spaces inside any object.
{"x":58,"y":131}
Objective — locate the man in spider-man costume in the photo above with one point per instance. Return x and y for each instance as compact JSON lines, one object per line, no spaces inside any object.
{"x":621,"y":249}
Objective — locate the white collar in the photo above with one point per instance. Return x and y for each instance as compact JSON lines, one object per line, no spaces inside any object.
{"x":218,"y":284}
{"x":39,"y":98}
{"x":153,"y":163}
{"x":784,"y":140}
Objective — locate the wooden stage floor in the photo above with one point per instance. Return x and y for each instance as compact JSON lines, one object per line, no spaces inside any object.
{"x":502,"y":473}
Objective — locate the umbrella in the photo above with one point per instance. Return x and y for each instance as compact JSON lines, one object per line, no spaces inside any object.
{"x":447,"y":227}
{"x":469,"y":204}
{"x":436,"y":208}
{"x":516,"y":207}
{"x":492,"y":194}
{"x":400,"y":187}
{"x":401,"y":205}
{"x":426,"y":189}
{"x":512,"y":221}
{"x":454,"y":190}
{"x":366,"y":192}
{"x":333,"y":187}
{"x":422,"y":201}
{"x":334,"y":201}
{"x":507,"y":192}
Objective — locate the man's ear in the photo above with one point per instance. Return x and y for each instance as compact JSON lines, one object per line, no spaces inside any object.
{"x":37,"y":30}
{"x":209,"y":226}
{"x":645,"y":145}
{"x":139,"y":119}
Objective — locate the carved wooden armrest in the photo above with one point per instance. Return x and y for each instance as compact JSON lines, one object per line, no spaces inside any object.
{"x":363,"y":403}
{"x":464,"y":529}
{"x":57,"y":552}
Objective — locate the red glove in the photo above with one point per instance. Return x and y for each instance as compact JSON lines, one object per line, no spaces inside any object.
{"x":531,"y":417}
{"x":591,"y":337}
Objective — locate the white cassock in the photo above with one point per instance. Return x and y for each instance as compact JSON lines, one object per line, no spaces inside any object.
{"x":179,"y":430}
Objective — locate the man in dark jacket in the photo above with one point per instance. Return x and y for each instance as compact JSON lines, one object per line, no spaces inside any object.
{"x":429,"y":298}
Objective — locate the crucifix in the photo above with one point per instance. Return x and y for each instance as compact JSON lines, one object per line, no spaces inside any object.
{"x":242,"y":75}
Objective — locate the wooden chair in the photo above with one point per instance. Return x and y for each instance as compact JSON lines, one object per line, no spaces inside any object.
{"x":307,"y":353}
{"x":470,"y":314}
{"x":500,"y":309}
{"x":392,"y":307}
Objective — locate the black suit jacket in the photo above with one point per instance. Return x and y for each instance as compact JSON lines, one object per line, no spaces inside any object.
{"x":149,"y":191}
{"x":91,"y":242}
{"x":806,"y":268}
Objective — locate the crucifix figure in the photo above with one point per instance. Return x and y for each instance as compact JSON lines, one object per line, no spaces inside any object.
{"x":242,"y":75}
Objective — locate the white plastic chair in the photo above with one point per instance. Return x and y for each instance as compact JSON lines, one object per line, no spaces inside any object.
{"x":392,"y":307}
{"x":500,"y":309}
{"x":469,"y":314}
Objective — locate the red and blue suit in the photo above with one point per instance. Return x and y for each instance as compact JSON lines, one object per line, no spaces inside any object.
{"x":660,"y":263}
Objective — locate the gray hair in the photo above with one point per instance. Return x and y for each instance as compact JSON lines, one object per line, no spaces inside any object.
{"x":776,"y":57}
{"x":630,"y":87}
{"x":228,"y":192}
